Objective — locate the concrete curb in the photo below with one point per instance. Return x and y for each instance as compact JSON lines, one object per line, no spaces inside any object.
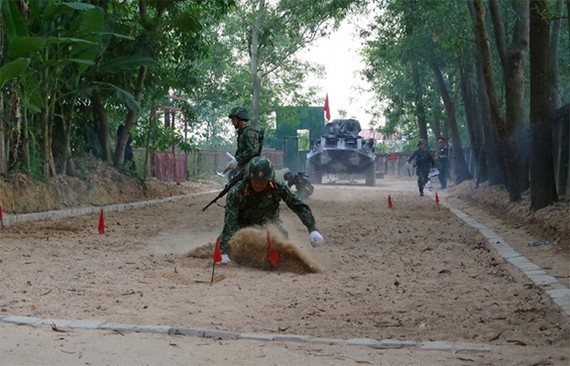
{"x":80,"y":211}
{"x":558,"y":293}
{"x":223,"y":335}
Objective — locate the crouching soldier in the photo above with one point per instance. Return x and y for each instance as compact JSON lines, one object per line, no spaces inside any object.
{"x":255,"y":201}
{"x":301,"y":182}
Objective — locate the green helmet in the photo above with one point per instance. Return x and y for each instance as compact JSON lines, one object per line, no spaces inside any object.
{"x":260,"y":168}
{"x":288,"y":175}
{"x":421,"y":142}
{"x":239,"y":112}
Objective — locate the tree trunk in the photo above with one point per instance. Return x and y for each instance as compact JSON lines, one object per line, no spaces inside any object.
{"x":554,"y":46}
{"x":555,"y":99}
{"x":473,"y":123}
{"x":563,"y":123}
{"x":147,"y":152}
{"x":420,"y":108}
{"x":461,"y":170}
{"x":254,"y":61}
{"x":130,"y":120}
{"x":509,"y":157}
{"x":491,"y":153}
{"x":512,"y":61}
{"x":515,"y":98}
{"x":543,"y":184}
{"x":101,"y":126}
{"x":436,"y":127}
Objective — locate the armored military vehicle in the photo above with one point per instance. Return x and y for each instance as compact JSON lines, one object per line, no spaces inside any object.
{"x":340,"y":150}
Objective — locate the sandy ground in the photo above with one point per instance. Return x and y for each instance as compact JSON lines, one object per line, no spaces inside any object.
{"x":412,"y":272}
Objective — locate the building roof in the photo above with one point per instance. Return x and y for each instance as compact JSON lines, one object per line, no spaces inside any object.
{"x":369,"y":133}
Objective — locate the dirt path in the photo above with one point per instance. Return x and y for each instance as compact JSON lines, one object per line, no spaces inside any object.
{"x":412,"y":272}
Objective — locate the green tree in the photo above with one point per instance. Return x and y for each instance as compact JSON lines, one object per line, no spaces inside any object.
{"x":543,"y":184}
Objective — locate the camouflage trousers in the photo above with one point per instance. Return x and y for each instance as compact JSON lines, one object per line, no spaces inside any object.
{"x":422,"y":174}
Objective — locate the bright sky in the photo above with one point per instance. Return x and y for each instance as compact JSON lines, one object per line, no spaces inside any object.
{"x":339,"y":54}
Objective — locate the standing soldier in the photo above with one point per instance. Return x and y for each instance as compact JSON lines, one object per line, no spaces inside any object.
{"x":424,"y":161}
{"x":442,"y":156}
{"x":255,"y":201}
{"x":248,"y":138}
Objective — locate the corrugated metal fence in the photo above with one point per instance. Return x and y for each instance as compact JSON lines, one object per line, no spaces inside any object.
{"x":169,"y":166}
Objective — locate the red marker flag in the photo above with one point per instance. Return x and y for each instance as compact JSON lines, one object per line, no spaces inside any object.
{"x":390,"y":201}
{"x":101,"y":226}
{"x":217,"y":257}
{"x":327,"y":108}
{"x":272,"y":255}
{"x":436,"y":198}
{"x":217,"y":251}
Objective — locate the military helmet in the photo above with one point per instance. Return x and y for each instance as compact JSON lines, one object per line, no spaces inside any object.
{"x":239,"y":112}
{"x":421,"y":142}
{"x":260,"y":168}
{"x":288,"y":175}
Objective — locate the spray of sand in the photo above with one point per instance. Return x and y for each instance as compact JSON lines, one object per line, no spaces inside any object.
{"x":249,"y":247}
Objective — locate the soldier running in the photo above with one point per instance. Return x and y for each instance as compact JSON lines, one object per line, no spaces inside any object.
{"x":424,"y":161}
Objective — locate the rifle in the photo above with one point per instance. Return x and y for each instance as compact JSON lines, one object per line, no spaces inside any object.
{"x":238,"y":177}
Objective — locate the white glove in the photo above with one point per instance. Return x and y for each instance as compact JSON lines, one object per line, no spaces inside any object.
{"x":316,"y":238}
{"x":225,"y":259}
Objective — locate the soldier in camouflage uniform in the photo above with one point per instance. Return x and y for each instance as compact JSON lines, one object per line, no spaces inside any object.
{"x":301,"y":182}
{"x":424,"y":162}
{"x":255,"y":201}
{"x":248,"y":137}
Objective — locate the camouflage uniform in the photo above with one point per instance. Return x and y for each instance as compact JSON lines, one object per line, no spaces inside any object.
{"x":248,"y":137}
{"x":245,"y":207}
{"x":248,"y":145}
{"x":302,"y":185}
{"x":424,"y":161}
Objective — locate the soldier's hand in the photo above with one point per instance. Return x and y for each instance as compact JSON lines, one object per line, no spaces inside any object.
{"x":316,"y":238}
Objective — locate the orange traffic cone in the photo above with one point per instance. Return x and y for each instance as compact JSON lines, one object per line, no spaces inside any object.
{"x":390,"y":201}
{"x":101,"y":226}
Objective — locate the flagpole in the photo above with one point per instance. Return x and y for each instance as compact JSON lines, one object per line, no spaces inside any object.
{"x":213,"y":269}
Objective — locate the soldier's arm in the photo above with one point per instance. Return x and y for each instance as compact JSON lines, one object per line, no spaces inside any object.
{"x":296,"y":204}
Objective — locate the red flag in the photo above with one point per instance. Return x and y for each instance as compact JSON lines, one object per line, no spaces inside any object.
{"x":436,"y":198}
{"x":390,"y":201}
{"x":217,"y":251}
{"x":101,"y":226}
{"x":327,"y":108}
{"x":272,"y":255}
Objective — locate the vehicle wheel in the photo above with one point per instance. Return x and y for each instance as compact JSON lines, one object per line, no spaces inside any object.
{"x":313,"y":172}
{"x":371,"y":175}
